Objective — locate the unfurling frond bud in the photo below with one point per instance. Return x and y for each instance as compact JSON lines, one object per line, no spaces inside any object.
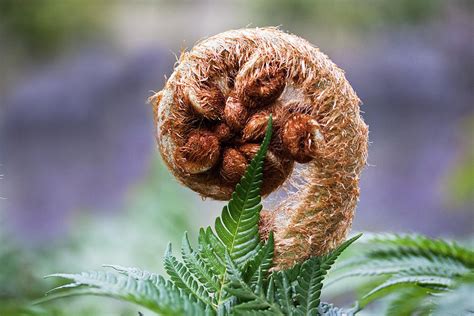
{"x":233,"y":166}
{"x":302,"y":137}
{"x":235,"y":114}
{"x":200,"y":153}
{"x":212,"y":115}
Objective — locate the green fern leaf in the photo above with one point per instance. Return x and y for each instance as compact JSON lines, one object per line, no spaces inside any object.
{"x":237,"y":227}
{"x":425,"y":247}
{"x":434,"y":270}
{"x":410,"y":301}
{"x":310,"y":279}
{"x":249,"y":300}
{"x":198,"y":267}
{"x":293,"y":272}
{"x":270,"y":296}
{"x":134,"y":272}
{"x":416,"y":269}
{"x":309,"y":286}
{"x":261,"y":262}
{"x":184,"y":279}
{"x":212,"y":251}
{"x":156,"y":294}
{"x":284,"y":293}
{"x":401,"y":282}
{"x":402,"y":264}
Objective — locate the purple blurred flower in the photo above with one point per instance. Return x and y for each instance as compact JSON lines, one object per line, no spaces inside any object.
{"x":76,"y":135}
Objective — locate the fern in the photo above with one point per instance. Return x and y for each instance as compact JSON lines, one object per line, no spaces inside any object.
{"x":284,"y":292}
{"x":198,"y":267}
{"x":313,"y":271}
{"x":230,"y":272}
{"x":418,"y":271}
{"x":408,"y":302}
{"x":422,"y":246}
{"x":251,"y":300}
{"x":330,"y":310}
{"x":290,"y":292}
{"x":212,"y":250}
{"x":182,"y":277}
{"x":142,"y":288}
{"x":458,"y":301}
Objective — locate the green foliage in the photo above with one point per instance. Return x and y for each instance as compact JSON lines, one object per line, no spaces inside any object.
{"x":228,"y":273}
{"x":419,"y":274}
{"x":353,"y":15}
{"x":163,"y":215}
{"x":44,"y":26}
{"x":310,"y":277}
{"x":460,"y":184}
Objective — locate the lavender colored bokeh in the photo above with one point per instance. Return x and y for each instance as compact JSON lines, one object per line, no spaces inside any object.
{"x":415,"y":99}
{"x":76,"y":135}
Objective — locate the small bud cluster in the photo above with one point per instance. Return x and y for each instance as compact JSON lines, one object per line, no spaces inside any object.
{"x":230,"y":123}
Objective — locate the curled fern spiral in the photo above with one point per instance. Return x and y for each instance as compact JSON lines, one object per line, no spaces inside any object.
{"x":212,"y":115}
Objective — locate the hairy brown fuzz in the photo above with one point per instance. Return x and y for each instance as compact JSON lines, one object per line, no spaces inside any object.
{"x":302,"y":137}
{"x":234,"y":164}
{"x":207,"y":101}
{"x":256,"y":126}
{"x":200,"y":153}
{"x":212,"y":114}
{"x":235,"y":114}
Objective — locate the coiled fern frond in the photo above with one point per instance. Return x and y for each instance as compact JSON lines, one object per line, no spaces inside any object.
{"x":230,"y":272}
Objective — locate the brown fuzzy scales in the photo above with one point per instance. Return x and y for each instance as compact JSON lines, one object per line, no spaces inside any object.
{"x":256,"y":126}
{"x":235,"y":114}
{"x":233,"y":167}
{"x":223,"y":89}
{"x":275,"y":168}
{"x":200,"y":153}
{"x":301,"y":137}
{"x":263,"y":89}
{"x":223,"y":132}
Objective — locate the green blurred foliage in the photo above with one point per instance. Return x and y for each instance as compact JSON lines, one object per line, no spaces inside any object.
{"x":392,"y":274}
{"x":157,"y":212}
{"x":43,"y":26}
{"x":356,"y":15}
{"x":15,"y":276}
{"x":460,"y":182}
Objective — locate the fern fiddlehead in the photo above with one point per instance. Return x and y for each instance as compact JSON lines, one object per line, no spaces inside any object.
{"x":229,"y":273}
{"x":213,"y":112}
{"x":226,"y":95}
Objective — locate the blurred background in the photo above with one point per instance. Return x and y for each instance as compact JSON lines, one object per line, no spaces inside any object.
{"x":82,"y":182}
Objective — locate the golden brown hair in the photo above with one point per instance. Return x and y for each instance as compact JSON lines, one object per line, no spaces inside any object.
{"x":212,"y":114}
